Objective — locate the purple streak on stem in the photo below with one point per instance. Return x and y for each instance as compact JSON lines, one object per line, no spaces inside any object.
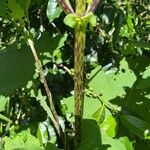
{"x":66,"y":6}
{"x":93,"y":6}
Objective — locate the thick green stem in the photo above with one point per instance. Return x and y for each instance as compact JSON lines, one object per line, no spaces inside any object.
{"x":80,"y":35}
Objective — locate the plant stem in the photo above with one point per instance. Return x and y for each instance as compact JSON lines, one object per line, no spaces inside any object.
{"x":54,"y":117}
{"x":80,"y":35}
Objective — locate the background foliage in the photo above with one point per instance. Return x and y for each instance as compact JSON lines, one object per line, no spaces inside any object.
{"x":117,"y":76}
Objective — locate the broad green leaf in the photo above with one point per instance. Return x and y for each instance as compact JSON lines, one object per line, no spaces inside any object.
{"x":128,"y":144}
{"x":90,"y":135}
{"x":3,"y":102}
{"x":111,"y":83}
{"x":112,"y":144}
{"x":90,"y":106}
{"x":136,"y":125}
{"x":92,"y":138}
{"x":32,"y":143}
{"x":99,"y":115}
{"x":18,"y":8}
{"x":14,"y":144}
{"x":22,"y":141}
{"x":110,"y":125}
{"x":17,"y":12}
{"x":17,"y":68}
{"x":53,"y":10}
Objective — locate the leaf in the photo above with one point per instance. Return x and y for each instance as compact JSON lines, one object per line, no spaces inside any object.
{"x":70,"y":20}
{"x":42,"y":100}
{"x":18,"y":8}
{"x":16,"y":11}
{"x":141,"y":44}
{"x":92,"y":138}
{"x":99,"y":115}
{"x":136,"y":125}
{"x":53,"y":11}
{"x":110,"y":126}
{"x":90,"y":135}
{"x":16,"y":144}
{"x":17,"y":68}
{"x":125,"y":141}
{"x":110,"y":84}
{"x":90,"y":106}
{"x":2,"y":8}
{"x":22,"y":141}
{"x":50,"y":146}
{"x":91,"y":19}
{"x":3,"y":102}
{"x":112,"y":144}
{"x":17,"y":64}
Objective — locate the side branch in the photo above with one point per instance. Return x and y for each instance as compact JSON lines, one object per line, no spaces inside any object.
{"x":54,"y":117}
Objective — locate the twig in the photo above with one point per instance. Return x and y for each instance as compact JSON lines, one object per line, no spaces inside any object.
{"x":54,"y":118}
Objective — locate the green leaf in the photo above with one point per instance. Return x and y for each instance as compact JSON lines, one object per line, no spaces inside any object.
{"x":99,"y":115}
{"x":92,"y":138}
{"x":91,"y":19}
{"x":53,"y":11}
{"x":50,"y":146}
{"x":70,"y":20}
{"x":136,"y":125}
{"x":2,"y":8}
{"x":112,"y":144}
{"x":125,"y":141}
{"x":16,"y":144}
{"x":90,"y":135}
{"x":141,"y":44}
{"x":3,"y":102}
{"x":110,"y":126}
{"x":22,"y":141}
{"x":42,"y":100}
{"x":17,"y":68}
{"x":16,"y":11}
{"x":110,"y":84}
{"x":90,"y":106}
{"x":18,"y":8}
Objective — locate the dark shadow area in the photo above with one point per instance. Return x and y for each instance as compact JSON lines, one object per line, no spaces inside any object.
{"x":91,"y":136}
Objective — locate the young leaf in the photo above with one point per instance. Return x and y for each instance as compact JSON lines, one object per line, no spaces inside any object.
{"x":110,"y":125}
{"x":136,"y":125}
{"x":99,"y":115}
{"x":53,"y":10}
{"x":70,"y":20}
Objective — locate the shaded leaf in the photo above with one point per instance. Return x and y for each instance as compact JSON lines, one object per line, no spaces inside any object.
{"x":17,"y":68}
{"x":136,"y":125}
{"x":99,"y":115}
